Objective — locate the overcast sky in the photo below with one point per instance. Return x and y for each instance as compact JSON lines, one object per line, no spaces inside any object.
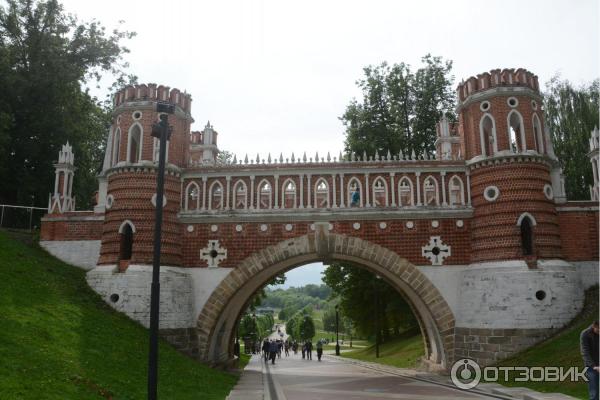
{"x":275,"y":76}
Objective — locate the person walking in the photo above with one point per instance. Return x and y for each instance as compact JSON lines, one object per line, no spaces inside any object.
{"x":286,"y":348}
{"x":273,"y":348}
{"x":265,"y":349}
{"x":319,"y":349}
{"x":309,"y":347}
{"x":589,"y":351}
{"x":303,"y":350}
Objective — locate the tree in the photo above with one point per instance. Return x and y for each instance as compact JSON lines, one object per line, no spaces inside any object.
{"x":359,"y":291}
{"x":306,"y":327}
{"x":400,"y":108}
{"x":571,"y":114}
{"x":46,"y":57}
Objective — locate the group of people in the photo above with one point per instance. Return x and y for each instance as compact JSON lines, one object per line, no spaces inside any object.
{"x":272,"y":349}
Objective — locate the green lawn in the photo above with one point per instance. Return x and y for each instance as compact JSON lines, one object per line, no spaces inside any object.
{"x":561,"y":350}
{"x":404,"y":351}
{"x":59,"y":340}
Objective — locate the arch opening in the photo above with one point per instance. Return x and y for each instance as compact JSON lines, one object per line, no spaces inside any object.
{"x":126,"y":242}
{"x":218,"y":320}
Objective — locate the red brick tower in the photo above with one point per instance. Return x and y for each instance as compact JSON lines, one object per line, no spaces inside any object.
{"x":132,"y":158}
{"x":510,"y":161}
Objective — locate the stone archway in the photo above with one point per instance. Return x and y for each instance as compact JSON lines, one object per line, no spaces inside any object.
{"x":217,"y":321}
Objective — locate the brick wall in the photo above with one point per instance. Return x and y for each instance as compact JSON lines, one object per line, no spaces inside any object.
{"x":72,"y":226}
{"x":495,"y":234}
{"x":396,"y":236}
{"x":579,"y":230}
{"x":132,"y":190}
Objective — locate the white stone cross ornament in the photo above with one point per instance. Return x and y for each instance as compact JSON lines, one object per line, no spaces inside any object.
{"x":213,"y":254}
{"x":436,"y":251}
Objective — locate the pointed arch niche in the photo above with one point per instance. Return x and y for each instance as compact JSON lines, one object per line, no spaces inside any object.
{"x":487,"y":135}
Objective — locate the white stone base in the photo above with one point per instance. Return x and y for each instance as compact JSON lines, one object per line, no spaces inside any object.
{"x":183,"y":292}
{"x":80,"y":253}
{"x":503,"y":294}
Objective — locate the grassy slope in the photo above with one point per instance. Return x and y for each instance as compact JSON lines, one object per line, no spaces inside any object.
{"x":59,"y":340}
{"x":404,"y":351}
{"x":560,"y":350}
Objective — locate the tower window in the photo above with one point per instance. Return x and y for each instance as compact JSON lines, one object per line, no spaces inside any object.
{"x":526,"y":237}
{"x":126,"y":242}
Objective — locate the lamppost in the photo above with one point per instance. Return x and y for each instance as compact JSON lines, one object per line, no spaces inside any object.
{"x":162,"y":131}
{"x":376,"y":316}
{"x":337,"y":339}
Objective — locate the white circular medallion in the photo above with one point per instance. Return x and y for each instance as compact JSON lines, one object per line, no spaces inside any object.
{"x":153,"y":200}
{"x":460,"y":223}
{"x":491,"y":193}
{"x":382,"y":225}
{"x":330,"y":227}
{"x":435,"y":223}
{"x":110,"y":201}
{"x":238,"y":228}
{"x":484,"y":106}
{"x":356,"y":225}
{"x":289,"y":227}
{"x":263,"y":227}
{"x":190,"y":228}
{"x":548,"y":192}
{"x":312,"y":227}
{"x":410,"y":224}
{"x":512,"y":102}
{"x":214,"y":228}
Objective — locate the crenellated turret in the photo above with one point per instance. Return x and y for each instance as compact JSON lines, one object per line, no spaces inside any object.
{"x":62,"y":199}
{"x":516,"y":179}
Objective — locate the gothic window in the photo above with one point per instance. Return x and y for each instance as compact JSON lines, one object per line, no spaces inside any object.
{"x":380,"y":193}
{"x":134,"y":146}
{"x":192,"y":196}
{"x":289,"y":194}
{"x":216,"y":196}
{"x":455,"y":187}
{"x":126,"y":231}
{"x":430,"y":192}
{"x":526,"y":237}
{"x":526,"y":222}
{"x":487,"y":135}
{"x":538,"y":135}
{"x":241,"y":195}
{"x":321,"y":194}
{"x":354,"y":193}
{"x":156,"y":150}
{"x":264,"y":193}
{"x":516,"y":134}
{"x":116,"y":146}
{"x":405,"y":192}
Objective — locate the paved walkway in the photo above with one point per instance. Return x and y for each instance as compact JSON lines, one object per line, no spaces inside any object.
{"x":292,"y":378}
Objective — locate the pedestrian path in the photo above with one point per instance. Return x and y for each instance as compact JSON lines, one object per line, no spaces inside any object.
{"x":250,"y":385}
{"x":337,"y":378}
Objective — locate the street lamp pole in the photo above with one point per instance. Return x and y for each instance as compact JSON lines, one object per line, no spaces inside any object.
{"x":377,"y":318}
{"x":162,"y":131}
{"x":337,"y":339}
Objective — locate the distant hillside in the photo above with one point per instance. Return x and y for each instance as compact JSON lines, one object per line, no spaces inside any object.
{"x":60,"y":341}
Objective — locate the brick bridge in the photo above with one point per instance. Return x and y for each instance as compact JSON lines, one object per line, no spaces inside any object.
{"x":479,"y":238}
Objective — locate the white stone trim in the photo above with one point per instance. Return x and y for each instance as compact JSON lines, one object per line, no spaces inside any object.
{"x":127,"y":222}
{"x":482,"y":135}
{"x":128,"y":155}
{"x":522,"y":217}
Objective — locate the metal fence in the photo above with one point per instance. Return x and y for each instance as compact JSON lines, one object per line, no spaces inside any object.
{"x":21,"y":217}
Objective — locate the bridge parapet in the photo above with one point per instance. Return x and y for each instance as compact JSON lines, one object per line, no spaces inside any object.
{"x":375,"y":184}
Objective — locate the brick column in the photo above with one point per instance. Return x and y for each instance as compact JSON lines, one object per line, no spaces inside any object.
{"x":393,"y":188}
